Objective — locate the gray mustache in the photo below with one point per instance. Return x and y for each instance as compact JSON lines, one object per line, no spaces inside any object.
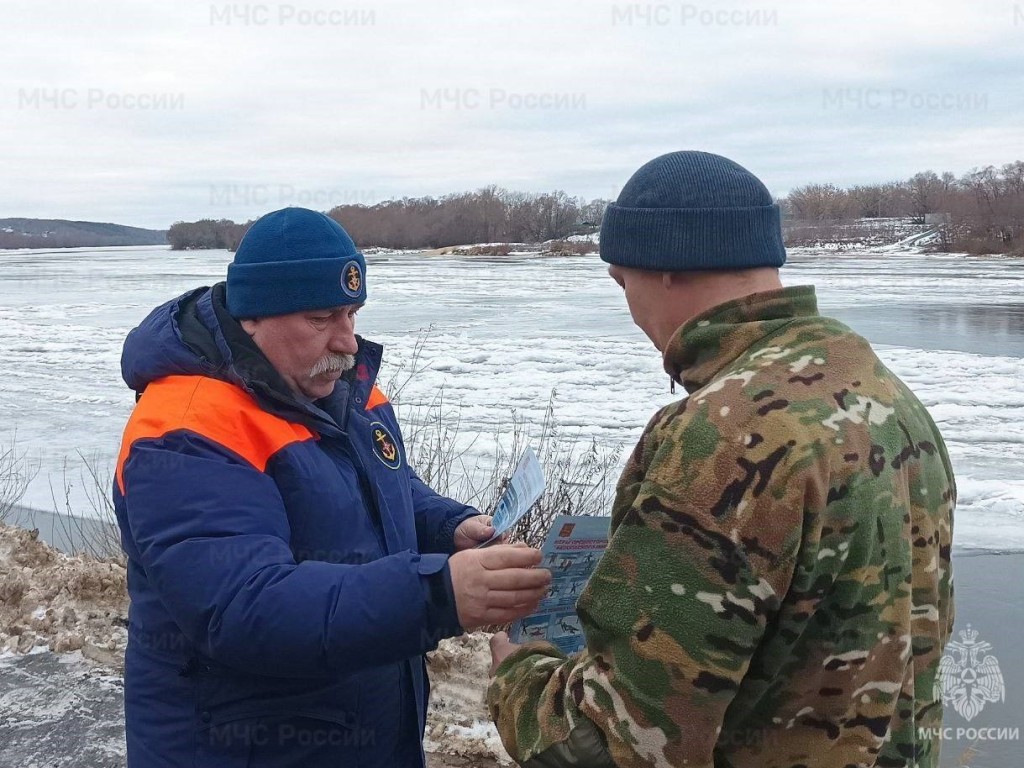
{"x":332,"y":363}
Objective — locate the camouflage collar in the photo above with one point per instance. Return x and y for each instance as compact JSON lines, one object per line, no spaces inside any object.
{"x":709,"y":342}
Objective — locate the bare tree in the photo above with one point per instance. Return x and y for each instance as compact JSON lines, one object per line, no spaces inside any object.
{"x":926,"y":193}
{"x":986,"y":206}
{"x":822,"y":202}
{"x":490,"y":214}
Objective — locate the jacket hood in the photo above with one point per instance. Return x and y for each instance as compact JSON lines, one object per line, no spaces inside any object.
{"x":195,"y":335}
{"x":156,"y":348}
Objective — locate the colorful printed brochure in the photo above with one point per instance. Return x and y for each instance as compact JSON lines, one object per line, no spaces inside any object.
{"x":571,"y":551}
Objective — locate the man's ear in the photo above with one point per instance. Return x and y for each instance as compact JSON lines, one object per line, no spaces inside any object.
{"x":249,"y":325}
{"x":666,"y":280}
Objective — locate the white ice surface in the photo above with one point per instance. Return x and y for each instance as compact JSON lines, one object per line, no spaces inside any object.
{"x":509,"y":332}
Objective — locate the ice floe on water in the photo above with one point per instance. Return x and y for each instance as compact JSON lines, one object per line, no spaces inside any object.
{"x":499,"y":336}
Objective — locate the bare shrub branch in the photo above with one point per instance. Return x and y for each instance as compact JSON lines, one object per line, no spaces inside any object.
{"x":580,"y":472}
{"x":95,"y":534}
{"x":16,"y":473}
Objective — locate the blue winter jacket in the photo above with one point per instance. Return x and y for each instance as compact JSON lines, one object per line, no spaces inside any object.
{"x":287,"y":568}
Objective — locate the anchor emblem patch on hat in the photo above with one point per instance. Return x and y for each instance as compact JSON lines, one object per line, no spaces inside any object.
{"x":352,"y":279}
{"x":385,"y":447}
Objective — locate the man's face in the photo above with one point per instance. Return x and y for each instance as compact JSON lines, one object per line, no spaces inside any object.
{"x":645,"y":292}
{"x":311,"y":350}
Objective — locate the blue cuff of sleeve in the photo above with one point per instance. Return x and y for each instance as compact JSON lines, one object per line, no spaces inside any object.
{"x":439,"y":595}
{"x":446,"y":536}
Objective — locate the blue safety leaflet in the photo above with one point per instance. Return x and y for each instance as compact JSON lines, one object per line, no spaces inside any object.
{"x":571,"y":551}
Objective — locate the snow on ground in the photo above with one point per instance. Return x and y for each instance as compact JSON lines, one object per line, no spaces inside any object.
{"x":457,"y":721}
{"x":49,"y":600}
{"x":858,"y":235}
{"x":378,"y":250}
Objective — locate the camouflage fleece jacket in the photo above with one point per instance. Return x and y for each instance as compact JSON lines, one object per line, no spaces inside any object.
{"x":777,"y":588}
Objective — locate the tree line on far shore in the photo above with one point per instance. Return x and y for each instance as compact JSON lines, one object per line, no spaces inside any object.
{"x":489,"y":215}
{"x":985,"y":207}
{"x":206,"y":234}
{"x":985,"y":214}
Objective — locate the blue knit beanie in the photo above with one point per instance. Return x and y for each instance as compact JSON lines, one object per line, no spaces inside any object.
{"x":294,"y":260}
{"x":688,"y":211}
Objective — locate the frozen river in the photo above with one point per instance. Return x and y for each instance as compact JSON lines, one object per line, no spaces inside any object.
{"x":508,"y":333}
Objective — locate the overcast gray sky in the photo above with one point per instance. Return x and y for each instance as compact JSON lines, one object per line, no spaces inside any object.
{"x":145,"y":113}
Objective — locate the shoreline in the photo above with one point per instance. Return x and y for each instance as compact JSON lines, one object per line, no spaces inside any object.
{"x":68,"y":536}
{"x":537,"y":250}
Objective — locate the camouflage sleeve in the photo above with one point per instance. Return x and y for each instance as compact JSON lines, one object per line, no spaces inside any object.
{"x":524,"y":677}
{"x":672,"y":616}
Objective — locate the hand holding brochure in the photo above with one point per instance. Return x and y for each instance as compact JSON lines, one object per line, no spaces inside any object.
{"x":524,"y":489}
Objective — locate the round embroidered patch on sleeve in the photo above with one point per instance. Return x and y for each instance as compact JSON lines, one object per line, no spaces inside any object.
{"x":385,"y":447}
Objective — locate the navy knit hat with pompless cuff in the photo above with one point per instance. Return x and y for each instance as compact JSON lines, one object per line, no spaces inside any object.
{"x":688,"y":211}
{"x":294,"y":260}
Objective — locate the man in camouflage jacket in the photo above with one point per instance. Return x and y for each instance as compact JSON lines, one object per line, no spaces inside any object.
{"x":777,"y":588}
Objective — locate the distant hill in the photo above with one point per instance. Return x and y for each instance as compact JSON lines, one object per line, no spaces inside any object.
{"x":60,"y":233}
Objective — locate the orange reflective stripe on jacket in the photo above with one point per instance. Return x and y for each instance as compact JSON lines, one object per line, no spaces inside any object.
{"x":377,"y":397}
{"x":214,"y":409}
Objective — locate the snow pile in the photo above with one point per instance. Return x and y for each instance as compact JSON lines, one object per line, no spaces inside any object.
{"x":457,"y":721}
{"x":49,"y":600}
{"x":380,"y":250}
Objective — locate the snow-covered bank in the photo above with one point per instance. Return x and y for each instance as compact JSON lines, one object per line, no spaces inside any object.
{"x":56,"y":602}
{"x":72,"y":535}
{"x":852,"y":235}
{"x":457,"y":721}
{"x":577,"y":245}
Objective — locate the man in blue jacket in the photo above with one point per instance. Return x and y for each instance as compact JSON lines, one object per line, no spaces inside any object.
{"x":287,"y":568}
